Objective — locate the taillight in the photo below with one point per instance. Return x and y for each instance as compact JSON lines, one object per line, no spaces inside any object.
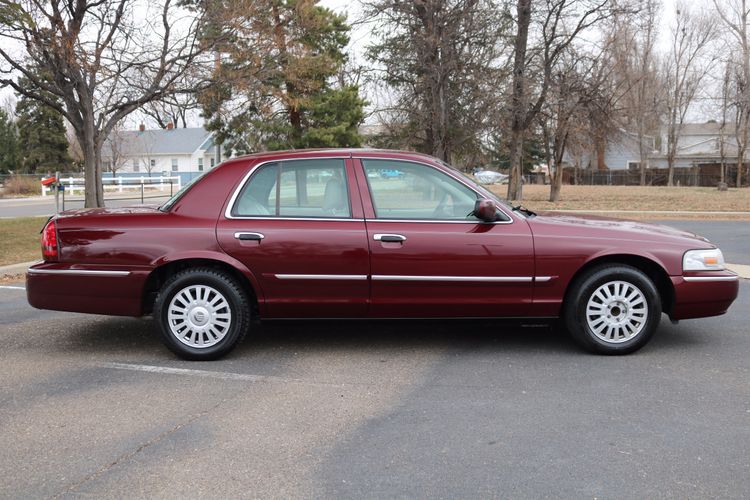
{"x":49,"y":241}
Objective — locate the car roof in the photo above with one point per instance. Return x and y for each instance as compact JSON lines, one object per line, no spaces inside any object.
{"x":371,"y":152}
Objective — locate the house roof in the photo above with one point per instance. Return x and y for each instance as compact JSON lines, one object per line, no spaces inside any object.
{"x":158,"y":142}
{"x":709,"y":128}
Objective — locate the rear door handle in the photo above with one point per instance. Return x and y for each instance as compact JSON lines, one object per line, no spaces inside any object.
{"x":249,"y":236}
{"x":389,"y":238}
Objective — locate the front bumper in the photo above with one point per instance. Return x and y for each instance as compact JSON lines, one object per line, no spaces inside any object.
{"x":699,"y":295}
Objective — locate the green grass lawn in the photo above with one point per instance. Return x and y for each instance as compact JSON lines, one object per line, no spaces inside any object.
{"x":19,"y":239}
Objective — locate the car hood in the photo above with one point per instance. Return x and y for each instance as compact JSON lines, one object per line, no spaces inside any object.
{"x":607,"y":227}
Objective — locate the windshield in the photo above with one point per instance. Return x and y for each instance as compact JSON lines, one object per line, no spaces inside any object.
{"x":178,"y":194}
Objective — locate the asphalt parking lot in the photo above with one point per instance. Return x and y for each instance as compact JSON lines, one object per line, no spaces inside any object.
{"x":97,"y":407}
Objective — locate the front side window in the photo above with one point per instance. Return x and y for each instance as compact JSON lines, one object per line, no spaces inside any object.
{"x":405,"y":190}
{"x":297,"y":188}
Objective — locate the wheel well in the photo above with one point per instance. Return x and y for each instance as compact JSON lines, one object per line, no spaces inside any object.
{"x":654,"y":271}
{"x":162,"y":273}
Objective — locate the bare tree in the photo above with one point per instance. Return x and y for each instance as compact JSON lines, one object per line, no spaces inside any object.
{"x":442,"y":58}
{"x":632,"y":44}
{"x":147,"y":145}
{"x":557,"y":23}
{"x":725,"y":108}
{"x":735,"y":14}
{"x":99,"y":61}
{"x":686,"y":65}
{"x":175,"y":109}
{"x":117,"y":147}
{"x":578,"y":109}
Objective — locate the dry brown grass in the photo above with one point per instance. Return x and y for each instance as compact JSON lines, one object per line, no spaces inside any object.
{"x":19,"y":185}
{"x":19,"y":239}
{"x":637,"y":198}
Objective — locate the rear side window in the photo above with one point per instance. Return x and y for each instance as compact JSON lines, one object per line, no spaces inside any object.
{"x":297,"y":188}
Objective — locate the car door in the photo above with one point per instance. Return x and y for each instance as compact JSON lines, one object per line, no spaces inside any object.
{"x":295,"y":224}
{"x":429,"y":257}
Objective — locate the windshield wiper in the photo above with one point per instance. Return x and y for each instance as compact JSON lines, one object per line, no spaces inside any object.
{"x":521,"y":208}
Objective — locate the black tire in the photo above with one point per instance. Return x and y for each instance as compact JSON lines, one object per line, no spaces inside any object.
{"x":619,"y":325}
{"x":207,"y":324}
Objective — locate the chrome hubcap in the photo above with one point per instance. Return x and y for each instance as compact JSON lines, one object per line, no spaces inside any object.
{"x":199,"y":316}
{"x":617,"y":311}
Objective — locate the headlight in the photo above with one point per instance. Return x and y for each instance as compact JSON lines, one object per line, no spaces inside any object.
{"x":703,"y":260}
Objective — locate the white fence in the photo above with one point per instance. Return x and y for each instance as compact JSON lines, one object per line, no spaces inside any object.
{"x":73,"y":185}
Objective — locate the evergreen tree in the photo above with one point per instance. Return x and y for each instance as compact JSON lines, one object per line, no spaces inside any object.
{"x":279,"y":60}
{"x":9,"y":155}
{"x":41,"y":133}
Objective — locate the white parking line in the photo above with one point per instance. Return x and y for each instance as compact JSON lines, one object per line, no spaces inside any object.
{"x":9,"y":287}
{"x":195,"y":373}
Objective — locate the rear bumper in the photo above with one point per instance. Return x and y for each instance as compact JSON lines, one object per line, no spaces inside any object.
{"x":703,"y":295}
{"x":111,"y":290}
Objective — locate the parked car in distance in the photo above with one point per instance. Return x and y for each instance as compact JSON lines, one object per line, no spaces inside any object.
{"x":491,"y":177}
{"x":322,"y":234}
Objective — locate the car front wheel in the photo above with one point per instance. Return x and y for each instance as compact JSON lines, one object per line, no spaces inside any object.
{"x":202,"y":313}
{"x":613,"y":310}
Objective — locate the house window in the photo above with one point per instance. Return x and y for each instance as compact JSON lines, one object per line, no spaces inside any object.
{"x":136,"y":166}
{"x":107,"y":166}
{"x":213,"y":162}
{"x":174,"y":164}
{"x":200,"y":164}
{"x":634,"y":165}
{"x":152,"y":163}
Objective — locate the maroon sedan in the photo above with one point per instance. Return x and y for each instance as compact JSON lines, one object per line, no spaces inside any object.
{"x":368,"y":234}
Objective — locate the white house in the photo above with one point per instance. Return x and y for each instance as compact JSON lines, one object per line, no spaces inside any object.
{"x":621,"y":152}
{"x":699,"y":144}
{"x":161,"y":150}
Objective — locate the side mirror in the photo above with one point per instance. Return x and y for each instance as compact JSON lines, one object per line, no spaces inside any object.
{"x":485,"y":210}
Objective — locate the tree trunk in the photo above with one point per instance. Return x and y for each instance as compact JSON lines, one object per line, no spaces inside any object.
{"x":642,"y":153}
{"x":556,"y":184}
{"x":92,"y":165}
{"x":519,"y":120}
{"x":516,"y":152}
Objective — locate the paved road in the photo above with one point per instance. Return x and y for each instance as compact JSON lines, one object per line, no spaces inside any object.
{"x":95,"y":406}
{"x":28,"y":207}
{"x":733,"y":237}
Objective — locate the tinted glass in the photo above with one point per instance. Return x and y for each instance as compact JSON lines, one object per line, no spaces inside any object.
{"x":298,"y":188}
{"x":405,"y":190}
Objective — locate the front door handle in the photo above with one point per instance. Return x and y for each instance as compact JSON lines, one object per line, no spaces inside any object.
{"x":249,"y":236}
{"x":389,"y":238}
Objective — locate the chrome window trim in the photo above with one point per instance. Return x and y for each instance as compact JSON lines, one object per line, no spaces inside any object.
{"x":437,"y":221}
{"x":259,"y":217}
{"x":233,"y":199}
{"x":487,"y":279}
{"x":343,"y":277}
{"x":449,"y":174}
{"x":80,"y":272}
{"x":711,"y":278}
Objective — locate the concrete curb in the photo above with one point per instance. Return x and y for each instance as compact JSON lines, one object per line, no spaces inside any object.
{"x":17,"y":268}
{"x":741,"y":269}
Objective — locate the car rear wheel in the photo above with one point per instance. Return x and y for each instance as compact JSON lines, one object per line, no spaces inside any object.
{"x":613,"y":310}
{"x":202,"y":313}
